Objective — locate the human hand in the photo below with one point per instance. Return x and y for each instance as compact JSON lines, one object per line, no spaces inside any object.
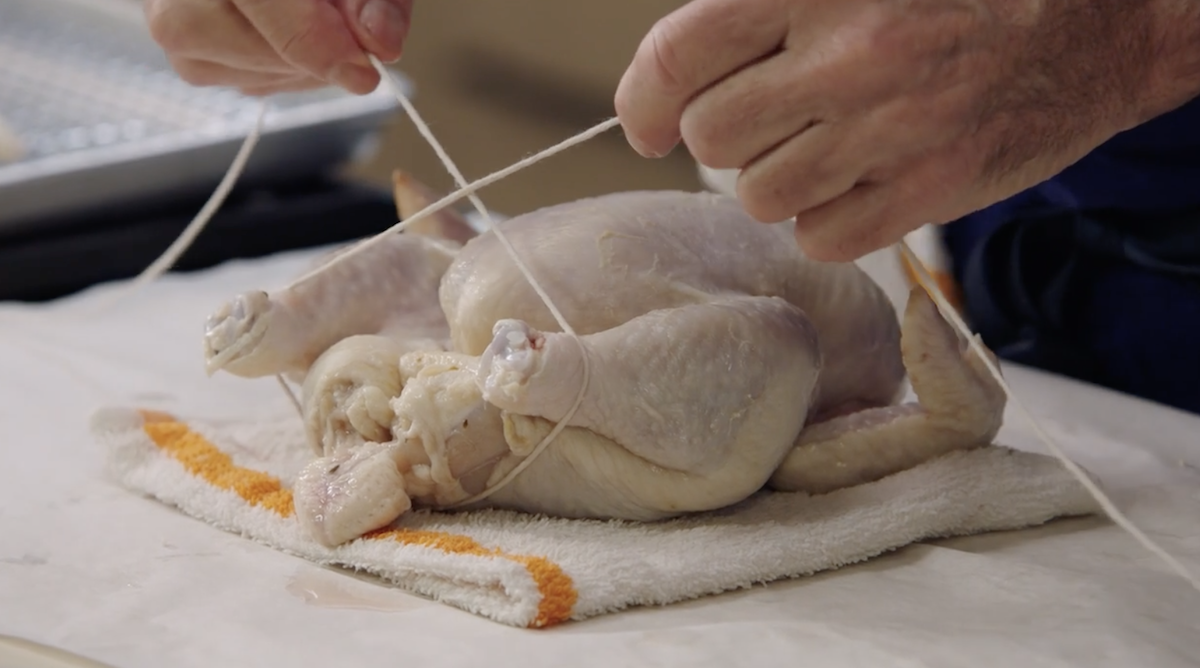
{"x":865,"y":119}
{"x":270,"y":46}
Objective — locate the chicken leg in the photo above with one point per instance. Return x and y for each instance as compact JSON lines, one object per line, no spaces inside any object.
{"x":683,"y":388}
{"x":390,"y":289}
{"x":959,"y":405}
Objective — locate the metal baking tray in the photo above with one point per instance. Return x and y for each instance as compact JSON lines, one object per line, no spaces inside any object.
{"x":103,"y":120}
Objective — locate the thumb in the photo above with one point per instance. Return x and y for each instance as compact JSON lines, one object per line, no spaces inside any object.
{"x":381,"y":26}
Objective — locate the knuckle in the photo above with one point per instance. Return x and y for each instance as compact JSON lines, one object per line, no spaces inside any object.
{"x":661,"y":53}
{"x":708,"y":138}
{"x":304,"y":50}
{"x":296,"y":46}
{"x":193,"y":74}
{"x":196,"y":73}
{"x":823,"y":239}
{"x":762,"y":198}
{"x":167,"y":24}
{"x":623,"y":103}
{"x":653,"y":92}
{"x":817,"y":248}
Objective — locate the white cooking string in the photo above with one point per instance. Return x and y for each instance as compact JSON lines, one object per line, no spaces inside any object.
{"x":467,"y":190}
{"x":287,"y":389}
{"x":459,"y":179}
{"x":462,"y":193}
{"x":185,"y":240}
{"x":177,"y":248}
{"x":1114,"y":513}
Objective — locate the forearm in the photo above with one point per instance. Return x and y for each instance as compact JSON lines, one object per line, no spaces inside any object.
{"x":1174,"y":74}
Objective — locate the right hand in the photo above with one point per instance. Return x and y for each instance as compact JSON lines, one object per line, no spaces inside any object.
{"x":263,"y":47}
{"x":865,"y":119}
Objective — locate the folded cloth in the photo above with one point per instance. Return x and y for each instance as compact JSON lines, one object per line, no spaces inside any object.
{"x":533,"y":571}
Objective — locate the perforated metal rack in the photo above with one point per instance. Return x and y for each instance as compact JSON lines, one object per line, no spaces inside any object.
{"x":102,"y":119}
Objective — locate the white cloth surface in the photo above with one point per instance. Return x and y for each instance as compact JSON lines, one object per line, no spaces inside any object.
{"x":89,"y":567}
{"x":534,"y":572}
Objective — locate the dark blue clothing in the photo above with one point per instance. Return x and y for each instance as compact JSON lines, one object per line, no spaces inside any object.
{"x":1095,"y":273}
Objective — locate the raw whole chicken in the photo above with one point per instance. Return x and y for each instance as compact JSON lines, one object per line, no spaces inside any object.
{"x":722,"y":360}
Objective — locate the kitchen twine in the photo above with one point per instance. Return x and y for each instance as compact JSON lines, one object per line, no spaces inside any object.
{"x":468,"y":190}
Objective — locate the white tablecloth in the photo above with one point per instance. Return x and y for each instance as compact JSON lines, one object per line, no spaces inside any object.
{"x":94,"y":569}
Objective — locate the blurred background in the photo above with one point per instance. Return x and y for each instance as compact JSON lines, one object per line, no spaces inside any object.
{"x":106,"y":155}
{"x":501,"y":80}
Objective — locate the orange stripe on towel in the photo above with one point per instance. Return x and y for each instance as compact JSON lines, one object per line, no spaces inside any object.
{"x":555,"y":586}
{"x":202,"y":458}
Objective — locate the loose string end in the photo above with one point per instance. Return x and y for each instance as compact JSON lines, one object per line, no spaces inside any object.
{"x":929,"y":283}
{"x":171,"y":255}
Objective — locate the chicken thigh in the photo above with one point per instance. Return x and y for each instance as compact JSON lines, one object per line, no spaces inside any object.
{"x":721,"y":360}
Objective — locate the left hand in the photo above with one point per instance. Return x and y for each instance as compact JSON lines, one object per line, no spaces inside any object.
{"x":262,"y":47}
{"x":865,"y":119}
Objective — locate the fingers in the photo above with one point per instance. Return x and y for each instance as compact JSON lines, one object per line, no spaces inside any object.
{"x":764,"y":104}
{"x":862,"y":119}
{"x":878,"y":212}
{"x":794,"y":155}
{"x":808,"y":147}
{"x":269,"y":45}
{"x":849,"y":226}
{"x":381,"y":26}
{"x":216,"y":32}
{"x":312,"y":36}
{"x":289,"y":86}
{"x":685,"y":53}
{"x":750,"y":112}
{"x":805,"y":171}
{"x":206,"y":73}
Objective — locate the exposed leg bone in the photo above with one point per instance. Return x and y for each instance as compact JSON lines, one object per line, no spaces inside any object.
{"x":959,"y":405}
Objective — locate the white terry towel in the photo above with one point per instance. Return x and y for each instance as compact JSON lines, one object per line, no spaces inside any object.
{"x":530,"y":571}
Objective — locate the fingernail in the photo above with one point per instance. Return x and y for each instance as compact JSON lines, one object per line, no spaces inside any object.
{"x":642,"y":149}
{"x":654,"y":153}
{"x":387,"y":23}
{"x":663,"y":154}
{"x":355,"y":78}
